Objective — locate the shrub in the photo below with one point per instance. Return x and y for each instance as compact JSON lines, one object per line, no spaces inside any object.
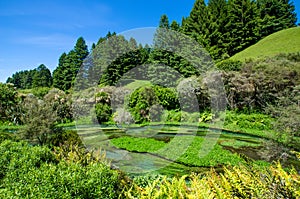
{"x":229,"y":65}
{"x":253,"y":121}
{"x":8,"y":136}
{"x":65,"y":137}
{"x":103,"y":112}
{"x":172,"y":116}
{"x":140,"y":103}
{"x":167,"y":97}
{"x":34,"y":172}
{"x":18,"y":157}
{"x":40,"y":92}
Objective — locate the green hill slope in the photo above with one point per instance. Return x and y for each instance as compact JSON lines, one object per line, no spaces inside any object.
{"x":284,"y":41}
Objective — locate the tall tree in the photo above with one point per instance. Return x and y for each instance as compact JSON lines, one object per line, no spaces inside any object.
{"x":164,"y":22}
{"x":69,"y":64}
{"x":276,"y":15}
{"x":81,"y":49}
{"x":42,"y":77}
{"x":196,"y":25}
{"x":58,"y":77}
{"x":242,"y":27}
{"x":217,"y":10}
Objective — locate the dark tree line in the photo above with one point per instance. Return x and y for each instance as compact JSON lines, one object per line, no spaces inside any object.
{"x":39,"y":77}
{"x":63,"y":76}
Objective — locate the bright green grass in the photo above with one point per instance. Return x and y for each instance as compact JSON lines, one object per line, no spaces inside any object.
{"x":138,"y":144}
{"x":185,"y":149}
{"x":285,"y":41}
{"x":196,"y":155}
{"x":138,"y":83}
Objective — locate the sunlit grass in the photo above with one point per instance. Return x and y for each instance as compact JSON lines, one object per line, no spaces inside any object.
{"x":187,"y":150}
{"x":285,"y":41}
{"x":138,"y":83}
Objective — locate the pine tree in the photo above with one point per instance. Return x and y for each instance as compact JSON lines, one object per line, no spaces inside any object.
{"x":69,"y":65}
{"x":164,"y":22}
{"x":175,"y":26}
{"x":196,"y":25}
{"x":58,"y":76}
{"x":217,"y":10}
{"x":242,"y":29}
{"x":276,"y":15}
{"x":81,"y":50}
{"x":42,"y":77}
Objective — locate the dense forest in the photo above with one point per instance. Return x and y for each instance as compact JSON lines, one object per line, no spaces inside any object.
{"x":44,"y":156}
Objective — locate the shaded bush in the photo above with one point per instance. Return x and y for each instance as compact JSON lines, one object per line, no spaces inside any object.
{"x":65,"y":137}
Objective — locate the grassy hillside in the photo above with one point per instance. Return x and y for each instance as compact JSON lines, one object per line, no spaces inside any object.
{"x":285,"y":41}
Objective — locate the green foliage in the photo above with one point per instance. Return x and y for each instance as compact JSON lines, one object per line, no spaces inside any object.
{"x":229,"y":65}
{"x":192,"y":156}
{"x":248,"y":121}
{"x":180,"y":116}
{"x":103,"y":112}
{"x":9,"y":100}
{"x":61,"y":104}
{"x":65,"y":137}
{"x":18,"y":157}
{"x":206,"y":116}
{"x":8,"y":136}
{"x":69,"y":65}
{"x":276,"y":15}
{"x":33,"y":172}
{"x":67,"y":181}
{"x":234,"y":182}
{"x":140,"y":103}
{"x":242,"y":29}
{"x":261,"y":82}
{"x":22,"y":79}
{"x":172,"y":116}
{"x":227,"y":27}
{"x":167,"y":97}
{"x":138,"y":144}
{"x":38,"y":77}
{"x":217,"y":156}
{"x":40,"y":92}
{"x":58,"y":77}
{"x":116,"y":58}
{"x":286,"y":113}
{"x":42,"y":77}
{"x":103,"y":108}
{"x":40,"y":121}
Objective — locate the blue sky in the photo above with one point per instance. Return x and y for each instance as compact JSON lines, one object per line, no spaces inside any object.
{"x":33,"y":32}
